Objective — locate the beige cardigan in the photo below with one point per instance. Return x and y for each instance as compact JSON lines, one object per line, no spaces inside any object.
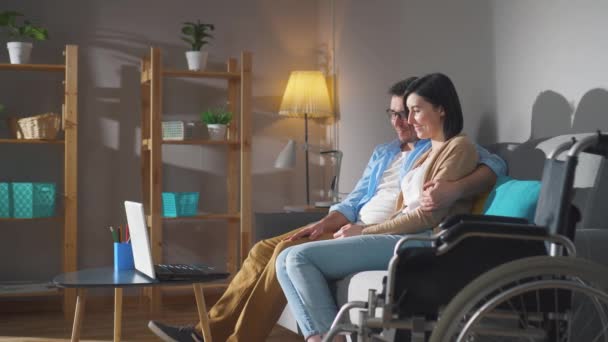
{"x":455,"y":159}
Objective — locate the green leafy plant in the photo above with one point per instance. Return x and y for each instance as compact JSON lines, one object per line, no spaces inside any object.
{"x":1,"y":108}
{"x":216,"y":116}
{"x":27,"y":30}
{"x":196,"y":34}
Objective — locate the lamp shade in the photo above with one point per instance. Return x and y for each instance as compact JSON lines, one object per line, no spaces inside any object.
{"x":287,"y":157}
{"x":306,"y":93}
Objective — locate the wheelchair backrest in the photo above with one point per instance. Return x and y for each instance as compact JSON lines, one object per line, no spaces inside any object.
{"x":554,"y":201}
{"x":555,"y":209}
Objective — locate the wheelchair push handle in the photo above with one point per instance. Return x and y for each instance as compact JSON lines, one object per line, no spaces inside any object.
{"x":587,"y":142}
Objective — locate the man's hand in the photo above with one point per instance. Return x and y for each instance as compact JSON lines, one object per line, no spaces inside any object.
{"x":439,"y":194}
{"x":313,"y":231}
{"x":349,"y":230}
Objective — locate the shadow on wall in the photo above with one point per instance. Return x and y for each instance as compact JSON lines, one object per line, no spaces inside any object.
{"x":184,"y":99}
{"x":552,"y":116}
{"x":129,"y":48}
{"x":112,"y":132}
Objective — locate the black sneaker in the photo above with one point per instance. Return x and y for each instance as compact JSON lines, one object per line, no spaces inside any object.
{"x":169,"y":333}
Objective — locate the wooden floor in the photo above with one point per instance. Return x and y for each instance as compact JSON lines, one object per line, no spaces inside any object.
{"x":98,"y":325}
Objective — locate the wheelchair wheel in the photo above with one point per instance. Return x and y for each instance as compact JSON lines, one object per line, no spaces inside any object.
{"x":532,"y":299}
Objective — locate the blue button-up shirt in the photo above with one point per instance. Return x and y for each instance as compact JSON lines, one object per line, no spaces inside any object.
{"x":381,"y":159}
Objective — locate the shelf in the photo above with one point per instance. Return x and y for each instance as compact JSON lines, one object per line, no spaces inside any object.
{"x":33,"y":67}
{"x":146,"y":142}
{"x":228,"y":217}
{"x":202,"y":74}
{"x":10,"y":219}
{"x":31,"y":141}
{"x":15,"y":289}
{"x":200,"y":142}
{"x":49,"y":293}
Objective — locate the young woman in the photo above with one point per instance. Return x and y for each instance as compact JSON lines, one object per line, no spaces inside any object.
{"x":304,"y":271}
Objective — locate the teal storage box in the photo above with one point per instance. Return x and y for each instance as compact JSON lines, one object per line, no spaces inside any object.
{"x":177,"y":204}
{"x":33,"y":200}
{"x":5,"y":201}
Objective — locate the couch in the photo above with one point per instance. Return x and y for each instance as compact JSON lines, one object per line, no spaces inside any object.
{"x":525,"y":161}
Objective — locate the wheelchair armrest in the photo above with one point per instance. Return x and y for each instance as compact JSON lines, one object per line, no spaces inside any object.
{"x":519,"y":231}
{"x":495,"y":228}
{"x":467,"y":218}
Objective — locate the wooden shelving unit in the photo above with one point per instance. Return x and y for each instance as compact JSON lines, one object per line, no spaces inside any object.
{"x":70,"y":174}
{"x":238,"y":146}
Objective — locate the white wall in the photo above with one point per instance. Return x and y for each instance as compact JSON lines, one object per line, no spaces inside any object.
{"x":550,"y":67}
{"x":379,"y":43}
{"x":523,"y":69}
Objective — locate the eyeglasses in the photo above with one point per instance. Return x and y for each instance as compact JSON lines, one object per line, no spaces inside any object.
{"x":394,"y":115}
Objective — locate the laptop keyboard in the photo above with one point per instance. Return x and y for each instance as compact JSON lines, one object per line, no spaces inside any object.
{"x":183,"y":269}
{"x":188,"y":272}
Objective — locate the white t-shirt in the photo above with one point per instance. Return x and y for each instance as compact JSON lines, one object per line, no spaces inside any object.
{"x":382,"y":205}
{"x":411,"y":186}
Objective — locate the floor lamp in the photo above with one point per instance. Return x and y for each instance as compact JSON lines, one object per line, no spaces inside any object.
{"x":306,"y":96}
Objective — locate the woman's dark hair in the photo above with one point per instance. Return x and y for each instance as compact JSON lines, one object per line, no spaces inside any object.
{"x":439,"y":90}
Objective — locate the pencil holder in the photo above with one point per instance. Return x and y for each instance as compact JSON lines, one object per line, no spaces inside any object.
{"x":123,"y":256}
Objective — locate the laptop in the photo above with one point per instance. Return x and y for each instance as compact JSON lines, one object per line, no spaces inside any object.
{"x":142,"y":256}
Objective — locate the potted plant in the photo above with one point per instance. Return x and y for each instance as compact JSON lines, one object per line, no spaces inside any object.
{"x":19,"y":46}
{"x":217,"y":121}
{"x":196,"y":35}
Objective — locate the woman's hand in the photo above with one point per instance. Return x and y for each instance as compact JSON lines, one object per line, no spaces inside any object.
{"x":312,"y":231}
{"x":349,"y":230}
{"x":439,"y":194}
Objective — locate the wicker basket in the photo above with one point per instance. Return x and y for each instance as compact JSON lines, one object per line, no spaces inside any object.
{"x":43,"y":126}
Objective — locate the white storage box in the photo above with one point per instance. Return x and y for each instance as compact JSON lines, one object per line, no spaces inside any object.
{"x":176,"y":130}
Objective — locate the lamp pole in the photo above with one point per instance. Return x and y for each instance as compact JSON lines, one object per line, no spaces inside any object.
{"x":306,"y":149}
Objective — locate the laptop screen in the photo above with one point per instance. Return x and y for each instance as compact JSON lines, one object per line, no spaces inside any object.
{"x":140,"y":243}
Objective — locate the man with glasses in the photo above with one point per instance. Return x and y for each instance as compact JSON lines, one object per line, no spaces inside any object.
{"x":253,"y":301}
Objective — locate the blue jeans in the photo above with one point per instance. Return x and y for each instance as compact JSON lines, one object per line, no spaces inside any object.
{"x":304,"y":272}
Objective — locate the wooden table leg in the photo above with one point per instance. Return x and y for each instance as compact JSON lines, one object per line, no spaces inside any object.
{"x":78,"y":314}
{"x":202,"y":311}
{"x":117,"y":313}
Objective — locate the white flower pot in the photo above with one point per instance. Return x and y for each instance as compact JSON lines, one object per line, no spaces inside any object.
{"x":19,"y":52}
{"x":197,"y":60}
{"x":217,"y":131}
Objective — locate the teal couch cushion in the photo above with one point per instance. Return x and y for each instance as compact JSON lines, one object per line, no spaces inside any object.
{"x":513,"y":198}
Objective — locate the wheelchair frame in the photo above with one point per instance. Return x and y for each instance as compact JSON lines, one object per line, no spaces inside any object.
{"x":419,"y":326}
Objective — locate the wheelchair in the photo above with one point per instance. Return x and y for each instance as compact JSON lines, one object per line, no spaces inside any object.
{"x":490,"y":278}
